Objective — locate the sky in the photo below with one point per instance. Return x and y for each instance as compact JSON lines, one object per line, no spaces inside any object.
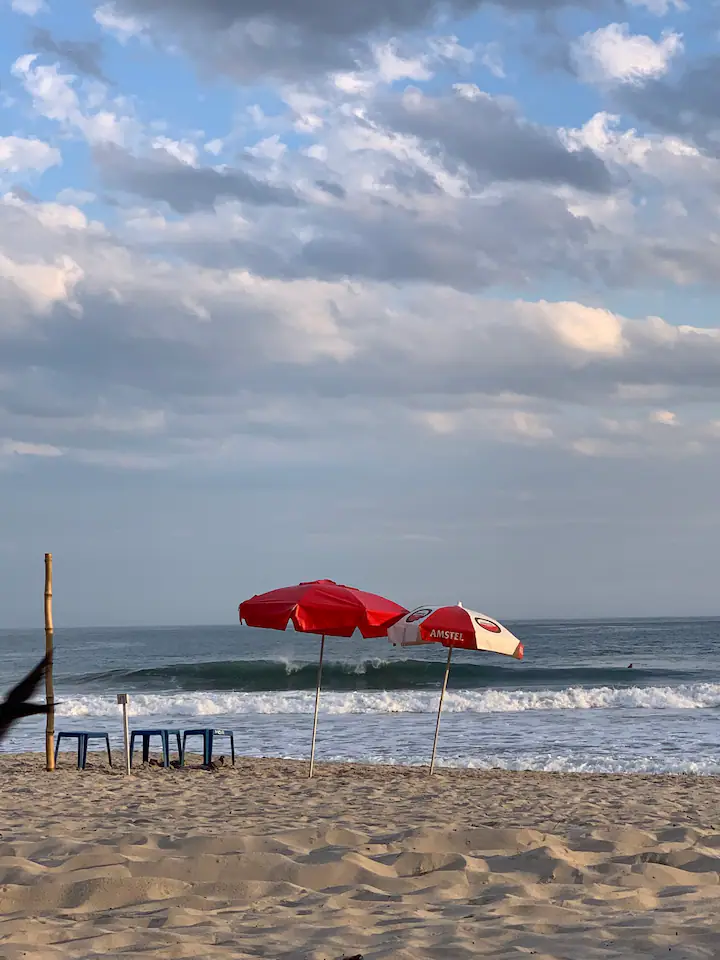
{"x":416,"y":296}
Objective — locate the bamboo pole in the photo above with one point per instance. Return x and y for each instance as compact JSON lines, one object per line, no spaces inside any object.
{"x":49,"y":691}
{"x":317,"y":707}
{"x":440,"y":706}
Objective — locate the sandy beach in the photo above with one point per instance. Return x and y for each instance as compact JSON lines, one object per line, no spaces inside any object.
{"x":257,"y":861}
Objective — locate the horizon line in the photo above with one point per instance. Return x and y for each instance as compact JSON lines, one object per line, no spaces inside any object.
{"x":200,"y":625}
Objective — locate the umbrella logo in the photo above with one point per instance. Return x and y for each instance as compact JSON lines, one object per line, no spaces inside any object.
{"x":418,"y":614}
{"x":488,"y":625}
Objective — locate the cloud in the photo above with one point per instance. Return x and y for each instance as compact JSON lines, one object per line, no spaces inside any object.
{"x":612,"y":54}
{"x":664,"y":416}
{"x":458,"y":242}
{"x":360,"y":197}
{"x":20,"y":154}
{"x":181,"y":150}
{"x":184,"y":187}
{"x":83,"y":55}
{"x":30,"y":8}
{"x":660,"y":7}
{"x":491,"y":58}
{"x":391,"y":66}
{"x":73,"y":197}
{"x":55,"y":98}
{"x":488,"y":136}
{"x":10,"y":447}
{"x":116,"y":357}
{"x":337,"y":272}
{"x":41,"y":285}
{"x":402,"y":209}
{"x":686,"y":105}
{"x":249,"y":38}
{"x":122,"y":28}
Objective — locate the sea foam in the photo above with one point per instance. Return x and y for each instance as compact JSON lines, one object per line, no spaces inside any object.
{"x":693,"y":696}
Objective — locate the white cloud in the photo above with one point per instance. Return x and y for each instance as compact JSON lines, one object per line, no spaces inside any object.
{"x":492,"y":59}
{"x":559,"y":374}
{"x":353,"y":84}
{"x":171,"y":307}
{"x":666,"y":417}
{"x":54,"y":217}
{"x":76,"y":198}
{"x":51,"y":91}
{"x":29,"y":8}
{"x":438,"y":421}
{"x":181,"y":150}
{"x":388,"y":68}
{"x":21,"y":449}
{"x":660,"y":7}
{"x":531,"y":426}
{"x":271,"y":148}
{"x":122,"y":27}
{"x":601,"y":134}
{"x":585,"y":329}
{"x":55,"y":98}
{"x":450,"y":48}
{"x":42,"y":285}
{"x":507,"y":426}
{"x":612,"y":54}
{"x":391,"y":66}
{"x":18,"y":154}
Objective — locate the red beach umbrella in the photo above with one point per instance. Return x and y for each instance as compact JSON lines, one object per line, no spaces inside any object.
{"x":455,"y":628}
{"x":326,"y":608}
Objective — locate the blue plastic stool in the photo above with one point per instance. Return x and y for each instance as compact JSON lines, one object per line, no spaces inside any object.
{"x":164,"y":735}
{"x":82,"y":737}
{"x":208,"y":734}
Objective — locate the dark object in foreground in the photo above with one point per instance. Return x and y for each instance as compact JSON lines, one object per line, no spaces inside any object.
{"x":16,"y":706}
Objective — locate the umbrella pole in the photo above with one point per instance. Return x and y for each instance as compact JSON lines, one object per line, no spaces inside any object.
{"x":317,"y":707}
{"x":440,"y":705}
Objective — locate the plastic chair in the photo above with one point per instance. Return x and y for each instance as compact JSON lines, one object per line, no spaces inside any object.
{"x":208,"y":734}
{"x":82,"y":737}
{"x":164,"y":734}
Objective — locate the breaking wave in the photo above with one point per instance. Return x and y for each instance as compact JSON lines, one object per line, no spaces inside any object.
{"x":209,"y":703}
{"x":367,"y":675}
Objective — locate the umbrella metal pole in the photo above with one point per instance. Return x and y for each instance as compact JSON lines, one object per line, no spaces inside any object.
{"x":440,"y":705}
{"x":317,"y":707}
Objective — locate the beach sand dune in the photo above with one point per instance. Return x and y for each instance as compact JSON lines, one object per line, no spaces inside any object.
{"x":257,"y":861}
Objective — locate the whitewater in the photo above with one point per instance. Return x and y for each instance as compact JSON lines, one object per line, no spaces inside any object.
{"x":685,"y":697}
{"x":590,"y":696}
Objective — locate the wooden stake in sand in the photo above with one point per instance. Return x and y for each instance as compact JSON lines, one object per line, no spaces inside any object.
{"x":122,"y":698}
{"x":49,"y":691}
{"x":440,"y":705}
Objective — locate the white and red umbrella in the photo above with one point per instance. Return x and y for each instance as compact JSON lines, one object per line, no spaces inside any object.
{"x":454,"y":628}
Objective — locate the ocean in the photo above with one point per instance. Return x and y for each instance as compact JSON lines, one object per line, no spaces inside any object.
{"x":573,"y":704}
